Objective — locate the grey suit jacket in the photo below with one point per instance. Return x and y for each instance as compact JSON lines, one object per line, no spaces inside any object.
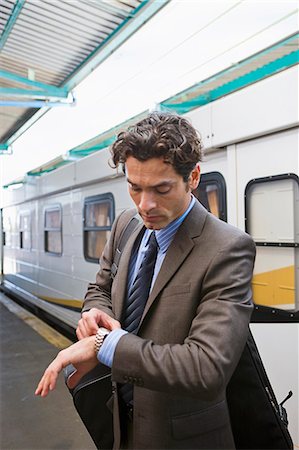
{"x":191,"y":334}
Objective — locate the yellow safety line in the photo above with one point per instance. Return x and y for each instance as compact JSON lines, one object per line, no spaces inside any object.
{"x":48,"y":333}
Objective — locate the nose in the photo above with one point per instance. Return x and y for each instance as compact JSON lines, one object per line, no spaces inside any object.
{"x":147,"y":201}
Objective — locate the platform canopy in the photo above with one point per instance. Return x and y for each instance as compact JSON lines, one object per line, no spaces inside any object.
{"x":47,"y":47}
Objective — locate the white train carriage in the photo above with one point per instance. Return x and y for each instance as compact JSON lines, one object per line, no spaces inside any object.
{"x":55,"y":226}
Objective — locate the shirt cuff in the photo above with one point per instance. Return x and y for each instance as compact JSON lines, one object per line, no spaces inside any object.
{"x":107,"y":350}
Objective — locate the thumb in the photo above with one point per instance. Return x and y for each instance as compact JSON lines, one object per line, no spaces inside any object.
{"x":81,"y":370}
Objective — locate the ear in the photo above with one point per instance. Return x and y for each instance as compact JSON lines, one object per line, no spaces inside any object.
{"x":194,"y":177}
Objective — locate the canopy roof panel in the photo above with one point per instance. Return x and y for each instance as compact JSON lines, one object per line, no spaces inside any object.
{"x":47,"y":47}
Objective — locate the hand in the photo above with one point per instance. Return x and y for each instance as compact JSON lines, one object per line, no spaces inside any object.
{"x":93,"y":319}
{"x":83,"y":357}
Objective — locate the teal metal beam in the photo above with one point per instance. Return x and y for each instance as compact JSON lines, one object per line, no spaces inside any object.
{"x":35,"y":103}
{"x":27,"y":125}
{"x":108,"y":7}
{"x":5,"y":149}
{"x":34,"y":173}
{"x":86,"y":151}
{"x":257,"y":75}
{"x":15,"y":184}
{"x":44,"y":89}
{"x":12,"y":20}
{"x":30,"y":93}
{"x":126,"y":29}
{"x":104,"y":139}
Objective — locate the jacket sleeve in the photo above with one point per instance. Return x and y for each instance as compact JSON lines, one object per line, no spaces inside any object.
{"x":203,"y":363}
{"x":98,"y":294}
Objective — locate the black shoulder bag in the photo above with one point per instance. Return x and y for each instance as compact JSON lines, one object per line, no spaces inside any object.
{"x":258,"y":422}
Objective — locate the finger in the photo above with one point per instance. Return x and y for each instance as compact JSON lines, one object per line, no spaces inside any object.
{"x":81,"y":330}
{"x":79,"y":334}
{"x":90,"y":329}
{"x":43,"y":383}
{"x":49,"y":378}
{"x":39,"y":387}
{"x":90,"y":321}
{"x":110,"y":323}
{"x":47,"y":383}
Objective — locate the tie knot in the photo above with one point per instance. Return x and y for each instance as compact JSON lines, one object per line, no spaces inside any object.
{"x":152,"y":242}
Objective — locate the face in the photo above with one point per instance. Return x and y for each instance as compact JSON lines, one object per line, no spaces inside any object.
{"x":159,"y":193}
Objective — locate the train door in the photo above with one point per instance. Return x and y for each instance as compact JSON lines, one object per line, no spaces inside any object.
{"x":268,"y":209}
{"x":2,"y":243}
{"x":271,"y":215}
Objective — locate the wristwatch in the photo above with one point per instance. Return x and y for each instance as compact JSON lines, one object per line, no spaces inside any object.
{"x":100,"y":336}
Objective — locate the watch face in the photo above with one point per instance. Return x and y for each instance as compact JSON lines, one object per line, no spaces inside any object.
{"x":103,"y":331}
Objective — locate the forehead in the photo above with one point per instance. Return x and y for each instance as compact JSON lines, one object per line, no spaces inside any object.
{"x":151,"y":172}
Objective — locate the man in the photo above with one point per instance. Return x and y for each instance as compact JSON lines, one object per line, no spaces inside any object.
{"x":170,"y":371}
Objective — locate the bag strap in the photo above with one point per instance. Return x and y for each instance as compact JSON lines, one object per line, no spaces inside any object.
{"x":128,"y":230}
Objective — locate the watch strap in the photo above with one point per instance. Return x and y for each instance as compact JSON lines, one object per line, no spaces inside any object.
{"x":99,"y":339}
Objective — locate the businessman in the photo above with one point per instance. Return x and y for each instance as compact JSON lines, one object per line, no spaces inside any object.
{"x":173,"y":322}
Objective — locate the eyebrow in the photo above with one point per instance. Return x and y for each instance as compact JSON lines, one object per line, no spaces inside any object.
{"x":163,"y":183}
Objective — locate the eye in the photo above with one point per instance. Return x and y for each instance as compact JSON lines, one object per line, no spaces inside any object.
{"x":134,"y":188}
{"x":163,"y":189}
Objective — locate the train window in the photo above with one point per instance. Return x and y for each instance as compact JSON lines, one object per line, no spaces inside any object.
{"x":272,"y":219}
{"x":98,"y":217}
{"x":25,"y":230}
{"x":7,"y":227}
{"x":211,"y":192}
{"x":53,"y":230}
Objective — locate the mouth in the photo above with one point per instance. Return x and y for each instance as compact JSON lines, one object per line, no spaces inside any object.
{"x":150,"y":218}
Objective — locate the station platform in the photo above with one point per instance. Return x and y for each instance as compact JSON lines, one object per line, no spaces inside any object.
{"x":29,"y":422}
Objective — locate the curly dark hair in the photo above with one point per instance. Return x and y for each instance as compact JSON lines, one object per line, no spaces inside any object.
{"x":160,"y":135}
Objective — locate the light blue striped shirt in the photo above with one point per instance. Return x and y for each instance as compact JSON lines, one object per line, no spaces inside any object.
{"x":164,"y":238}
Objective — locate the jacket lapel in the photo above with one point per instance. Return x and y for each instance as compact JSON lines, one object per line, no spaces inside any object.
{"x":122,"y":273}
{"x":178,"y":251}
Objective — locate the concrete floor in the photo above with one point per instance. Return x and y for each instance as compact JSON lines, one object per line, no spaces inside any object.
{"x":28,"y":422}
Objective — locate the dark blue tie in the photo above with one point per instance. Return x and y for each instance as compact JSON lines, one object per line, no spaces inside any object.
{"x":140,"y":289}
{"x":136,"y":301}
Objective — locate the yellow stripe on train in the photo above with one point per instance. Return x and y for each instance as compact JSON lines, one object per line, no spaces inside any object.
{"x":275,"y":288}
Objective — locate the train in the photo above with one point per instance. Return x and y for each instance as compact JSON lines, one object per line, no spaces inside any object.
{"x":55,"y":225}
